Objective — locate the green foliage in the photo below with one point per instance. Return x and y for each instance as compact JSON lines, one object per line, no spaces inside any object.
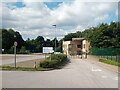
{"x":36,"y":45}
{"x":49,"y":63}
{"x":69,"y":36}
{"x":62,"y":57}
{"x":8,"y":40}
{"x":111,"y":62}
{"x":23,"y":50}
{"x":59,"y":48}
{"x":23,"y":68}
{"x":6,"y":67}
{"x":53,"y":43}
{"x":104,"y":35}
{"x":55,"y":62}
{"x":101,"y":36}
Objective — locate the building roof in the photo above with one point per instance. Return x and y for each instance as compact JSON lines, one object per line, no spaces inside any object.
{"x":77,"y":38}
{"x":66,"y":42}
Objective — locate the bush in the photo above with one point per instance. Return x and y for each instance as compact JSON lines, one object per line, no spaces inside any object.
{"x":49,"y":63}
{"x":61,"y":57}
{"x":56,"y":61}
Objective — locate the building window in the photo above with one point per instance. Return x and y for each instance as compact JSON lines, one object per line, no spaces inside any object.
{"x":69,"y":47}
{"x":78,"y":46}
{"x":79,"y":52}
{"x":84,"y":46}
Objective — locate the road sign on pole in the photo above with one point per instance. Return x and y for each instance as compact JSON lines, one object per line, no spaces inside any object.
{"x":15,"y":45}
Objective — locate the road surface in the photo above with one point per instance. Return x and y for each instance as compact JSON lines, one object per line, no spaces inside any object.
{"x":80,"y":73}
{"x":9,"y":58}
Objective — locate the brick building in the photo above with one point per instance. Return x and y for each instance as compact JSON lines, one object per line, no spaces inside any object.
{"x":76,"y":46}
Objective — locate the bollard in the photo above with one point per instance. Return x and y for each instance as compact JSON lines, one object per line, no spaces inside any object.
{"x":35,"y":65}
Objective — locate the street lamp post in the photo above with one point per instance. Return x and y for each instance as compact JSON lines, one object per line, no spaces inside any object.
{"x":55,"y":36}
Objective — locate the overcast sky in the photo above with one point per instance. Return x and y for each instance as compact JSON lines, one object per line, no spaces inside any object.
{"x":36,"y":18}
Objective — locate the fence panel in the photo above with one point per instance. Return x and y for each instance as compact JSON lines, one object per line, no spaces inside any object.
{"x":107,"y":53}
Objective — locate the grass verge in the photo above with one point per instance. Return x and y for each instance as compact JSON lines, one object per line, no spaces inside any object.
{"x":110,"y":62}
{"x":11,"y":68}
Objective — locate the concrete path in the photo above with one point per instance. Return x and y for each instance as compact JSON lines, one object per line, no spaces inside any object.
{"x":80,"y":73}
{"x":95,"y":60}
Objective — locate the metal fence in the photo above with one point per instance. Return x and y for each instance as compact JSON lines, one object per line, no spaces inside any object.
{"x":113,"y":58}
{"x":107,"y":53}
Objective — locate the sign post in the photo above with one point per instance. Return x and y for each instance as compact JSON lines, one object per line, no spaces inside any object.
{"x":48,"y":50}
{"x":15,"y":45}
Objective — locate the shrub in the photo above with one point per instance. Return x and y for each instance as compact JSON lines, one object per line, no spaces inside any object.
{"x":56,"y":61}
{"x":49,"y":63}
{"x":61,"y":57}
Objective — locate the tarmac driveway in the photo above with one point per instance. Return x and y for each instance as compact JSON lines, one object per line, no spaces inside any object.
{"x":80,"y":73}
{"x":9,"y":58}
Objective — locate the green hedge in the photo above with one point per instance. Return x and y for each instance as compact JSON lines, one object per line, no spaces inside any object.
{"x":55,"y":61}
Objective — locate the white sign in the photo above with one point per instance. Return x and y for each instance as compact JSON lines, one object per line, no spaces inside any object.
{"x":48,"y":50}
{"x":15,"y":43}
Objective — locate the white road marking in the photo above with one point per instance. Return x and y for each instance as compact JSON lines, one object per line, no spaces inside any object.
{"x":96,"y":69}
{"x":115,"y":78}
{"x":104,"y":76}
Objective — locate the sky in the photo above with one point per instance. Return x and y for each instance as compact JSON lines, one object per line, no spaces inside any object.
{"x":34,"y":19}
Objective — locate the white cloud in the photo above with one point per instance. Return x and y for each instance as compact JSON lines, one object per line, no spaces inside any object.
{"x":37,"y":19}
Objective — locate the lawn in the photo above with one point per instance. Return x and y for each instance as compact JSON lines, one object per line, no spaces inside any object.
{"x":23,"y":68}
{"x":110,"y":62}
{"x":113,"y":58}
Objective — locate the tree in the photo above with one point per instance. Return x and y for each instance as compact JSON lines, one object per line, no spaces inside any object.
{"x":53,"y":43}
{"x":8,"y":39}
{"x":48,"y":43}
{"x":19,"y":39}
{"x":104,"y":35}
{"x":39,"y":41}
{"x":101,"y":36}
{"x":59,"y":48}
